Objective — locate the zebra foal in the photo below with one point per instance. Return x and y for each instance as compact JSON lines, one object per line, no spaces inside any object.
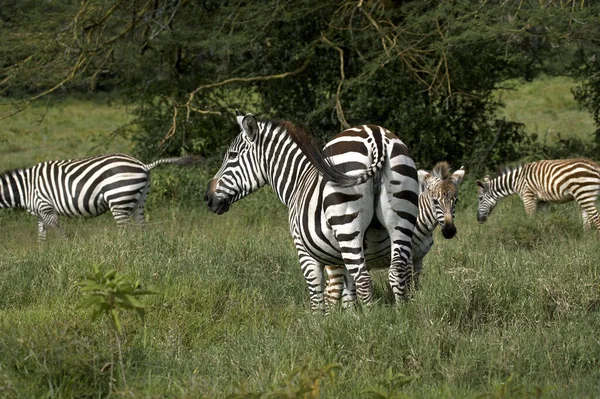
{"x":558,"y":181}
{"x":330,"y":206}
{"x":437,"y":201}
{"x":85,"y":187}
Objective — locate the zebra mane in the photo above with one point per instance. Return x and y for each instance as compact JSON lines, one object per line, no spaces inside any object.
{"x":506,"y":169}
{"x":9,"y":172}
{"x":442,"y":170}
{"x":312,"y":151}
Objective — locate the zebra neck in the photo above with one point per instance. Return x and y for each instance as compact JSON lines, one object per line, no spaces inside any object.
{"x":426,"y":221}
{"x":13,"y":189}
{"x":286,"y":167}
{"x":506,"y":184}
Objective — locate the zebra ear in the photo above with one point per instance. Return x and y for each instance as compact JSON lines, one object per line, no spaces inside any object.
{"x":250,"y":126}
{"x":458,"y":176}
{"x":239,"y":117}
{"x":481,"y":186}
{"x":424,"y":177}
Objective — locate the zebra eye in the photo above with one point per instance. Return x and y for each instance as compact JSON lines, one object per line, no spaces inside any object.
{"x":232,"y":154}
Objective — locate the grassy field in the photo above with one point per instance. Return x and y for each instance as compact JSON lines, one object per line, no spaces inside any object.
{"x":507,"y":309}
{"x":61,"y":129}
{"x":547,"y":108}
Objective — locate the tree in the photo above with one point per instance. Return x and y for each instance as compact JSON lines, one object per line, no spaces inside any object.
{"x":426,"y":70}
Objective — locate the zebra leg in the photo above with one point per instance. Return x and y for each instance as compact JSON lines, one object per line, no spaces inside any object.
{"x":349,"y":293}
{"x":334,"y":286}
{"x":339,"y":284}
{"x":415,"y":265}
{"x":589,"y":212}
{"x":313,"y":275}
{"x":587,"y":223}
{"x":138,"y":213}
{"x":121,"y":212}
{"x":50,"y":219}
{"x":529,"y":202}
{"x":354,"y":258}
{"x":41,"y":231}
{"x":397,"y":210}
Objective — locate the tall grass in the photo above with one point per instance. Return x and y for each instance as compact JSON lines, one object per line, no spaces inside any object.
{"x":516,"y":298}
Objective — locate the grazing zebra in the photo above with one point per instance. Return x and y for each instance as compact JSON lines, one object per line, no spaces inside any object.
{"x":81,"y":187}
{"x":437,"y":201}
{"x":559,"y":181}
{"x":330,"y":207}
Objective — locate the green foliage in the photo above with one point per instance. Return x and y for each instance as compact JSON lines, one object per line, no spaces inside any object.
{"x":109,"y":292}
{"x":426,"y":70}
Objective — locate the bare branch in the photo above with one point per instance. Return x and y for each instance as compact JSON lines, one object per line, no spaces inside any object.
{"x":338,"y":104}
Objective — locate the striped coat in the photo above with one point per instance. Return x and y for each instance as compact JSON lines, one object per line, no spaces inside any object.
{"x":85,"y":187}
{"x":557,"y":181}
{"x":330,"y":207}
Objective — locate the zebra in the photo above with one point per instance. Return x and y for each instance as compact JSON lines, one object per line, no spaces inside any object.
{"x":437,"y":201}
{"x":558,"y":181}
{"x":331,"y":196}
{"x":85,"y":187}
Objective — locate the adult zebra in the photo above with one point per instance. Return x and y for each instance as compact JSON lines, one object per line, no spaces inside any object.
{"x":84,"y":187}
{"x":437,"y":201}
{"x":330,"y":208}
{"x":561,"y":180}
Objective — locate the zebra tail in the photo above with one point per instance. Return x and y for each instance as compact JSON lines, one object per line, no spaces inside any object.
{"x":343,"y":180}
{"x":189,"y":160}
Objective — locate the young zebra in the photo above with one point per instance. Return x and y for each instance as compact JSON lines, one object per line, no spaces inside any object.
{"x":84,"y":187}
{"x":437,"y":201}
{"x":559,"y":181}
{"x":327,"y":219}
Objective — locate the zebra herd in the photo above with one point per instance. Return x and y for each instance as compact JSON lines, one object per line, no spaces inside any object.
{"x":357,"y":204}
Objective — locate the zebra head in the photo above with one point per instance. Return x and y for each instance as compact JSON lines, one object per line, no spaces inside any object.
{"x":487,"y":202}
{"x":240,"y":173}
{"x":439,"y":190}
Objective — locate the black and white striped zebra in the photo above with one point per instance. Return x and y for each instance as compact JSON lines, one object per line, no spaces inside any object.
{"x":437,"y":201}
{"x":330,"y":208}
{"x":559,"y":181}
{"x":84,"y":187}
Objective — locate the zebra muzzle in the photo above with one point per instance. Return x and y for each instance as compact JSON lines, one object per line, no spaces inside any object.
{"x":449,"y":231}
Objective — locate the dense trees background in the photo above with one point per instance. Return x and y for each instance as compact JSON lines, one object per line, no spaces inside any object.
{"x":424,"y":69}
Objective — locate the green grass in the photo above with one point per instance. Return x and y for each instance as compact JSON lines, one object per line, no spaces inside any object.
{"x":547,"y":108}
{"x":515,"y":298}
{"x":510,"y":308}
{"x":61,"y":129}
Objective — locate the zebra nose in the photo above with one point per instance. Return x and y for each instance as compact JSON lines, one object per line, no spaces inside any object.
{"x":449,"y":231}
{"x":209,"y":192}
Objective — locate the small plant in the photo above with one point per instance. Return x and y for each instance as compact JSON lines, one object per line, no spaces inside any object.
{"x":108,"y":293}
{"x":391,"y":387}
